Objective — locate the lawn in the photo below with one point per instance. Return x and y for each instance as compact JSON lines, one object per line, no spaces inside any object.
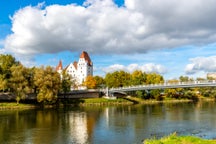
{"x":174,"y":139}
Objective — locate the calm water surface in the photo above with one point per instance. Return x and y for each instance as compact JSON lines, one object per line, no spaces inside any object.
{"x":107,"y":125}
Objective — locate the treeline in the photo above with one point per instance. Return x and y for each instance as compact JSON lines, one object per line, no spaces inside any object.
{"x":122,"y":79}
{"x":46,"y":82}
{"x":20,"y":80}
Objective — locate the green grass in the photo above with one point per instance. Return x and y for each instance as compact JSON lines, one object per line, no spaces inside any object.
{"x":174,"y":139}
{"x":13,"y":105}
{"x":104,"y":101}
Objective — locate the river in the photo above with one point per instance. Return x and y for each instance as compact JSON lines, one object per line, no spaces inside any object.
{"x":128,"y":124}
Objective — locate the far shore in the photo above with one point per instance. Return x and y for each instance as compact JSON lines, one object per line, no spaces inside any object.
{"x":95,"y":101}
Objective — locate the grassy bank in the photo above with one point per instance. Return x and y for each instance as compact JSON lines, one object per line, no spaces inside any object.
{"x":153,"y":101}
{"x":104,"y":101}
{"x":13,"y":105}
{"x":174,"y":139}
{"x":94,"y":101}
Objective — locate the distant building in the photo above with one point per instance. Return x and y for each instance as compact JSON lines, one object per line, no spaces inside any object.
{"x":59,"y":67}
{"x":78,"y":70}
{"x":211,"y":76}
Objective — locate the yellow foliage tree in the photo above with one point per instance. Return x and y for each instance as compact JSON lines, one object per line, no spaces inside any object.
{"x":90,"y":82}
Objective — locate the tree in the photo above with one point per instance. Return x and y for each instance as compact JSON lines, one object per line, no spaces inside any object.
{"x":18,"y":82}
{"x":153,"y":78}
{"x":174,"y":93}
{"x":200,"y":79}
{"x":184,"y":78}
{"x":173,"y":81}
{"x":90,"y":82}
{"x":3,"y":83}
{"x":138,"y":78}
{"x":117,"y":79}
{"x":48,"y":84}
{"x":143,"y":94}
{"x":100,"y":82}
{"x":66,"y":82}
{"x":155,"y":94}
{"x":6,"y":62}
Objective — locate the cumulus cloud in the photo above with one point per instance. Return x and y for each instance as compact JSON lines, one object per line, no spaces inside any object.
{"x":2,"y":50}
{"x":148,"y":68}
{"x":100,"y":26}
{"x":205,"y":64}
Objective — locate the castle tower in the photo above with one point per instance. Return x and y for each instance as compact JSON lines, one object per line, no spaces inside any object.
{"x":81,"y":69}
{"x":85,"y":67}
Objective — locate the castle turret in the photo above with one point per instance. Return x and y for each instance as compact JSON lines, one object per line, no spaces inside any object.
{"x":59,"y":68}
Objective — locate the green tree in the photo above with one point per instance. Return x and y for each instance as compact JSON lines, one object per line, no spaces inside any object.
{"x":48,"y":84}
{"x":3,"y":83}
{"x":6,"y":62}
{"x":18,"y":82}
{"x":117,"y":79}
{"x":66,"y":82}
{"x":156,"y":94}
{"x":176,"y":93}
{"x":200,"y":79}
{"x":189,"y":94}
{"x":100,"y":82}
{"x":143,"y":94}
{"x":184,"y":78}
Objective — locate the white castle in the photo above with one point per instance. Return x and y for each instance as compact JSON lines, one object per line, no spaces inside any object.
{"x":78,"y":70}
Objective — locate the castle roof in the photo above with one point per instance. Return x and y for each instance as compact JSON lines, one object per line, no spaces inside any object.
{"x":75,"y":64}
{"x":59,"y":66}
{"x":85,"y":55}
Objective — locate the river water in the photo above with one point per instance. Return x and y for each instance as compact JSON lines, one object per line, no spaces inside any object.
{"x":129,"y":124}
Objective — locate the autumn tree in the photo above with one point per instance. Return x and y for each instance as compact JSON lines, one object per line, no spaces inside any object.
{"x":176,"y":93}
{"x":138,"y":78}
{"x":173,"y":81}
{"x":90,"y":82}
{"x":47,"y":81}
{"x":6,"y":62}
{"x":100,"y":82}
{"x":154,"y":78}
{"x":18,"y":82}
{"x":117,"y":79}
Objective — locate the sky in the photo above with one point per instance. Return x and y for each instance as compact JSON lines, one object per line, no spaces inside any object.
{"x":171,"y":38}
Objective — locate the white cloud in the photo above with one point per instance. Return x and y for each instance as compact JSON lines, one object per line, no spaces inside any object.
{"x":1,"y":42}
{"x":205,"y":64}
{"x":150,"y":67}
{"x":100,"y":26}
{"x":2,"y":50}
{"x":153,"y":68}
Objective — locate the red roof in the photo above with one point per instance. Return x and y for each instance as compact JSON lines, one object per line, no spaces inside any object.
{"x":75,"y":64}
{"x":86,"y":57}
{"x":59,"y":67}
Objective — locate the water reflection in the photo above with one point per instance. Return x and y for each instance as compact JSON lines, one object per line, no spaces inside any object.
{"x":116,"y":124}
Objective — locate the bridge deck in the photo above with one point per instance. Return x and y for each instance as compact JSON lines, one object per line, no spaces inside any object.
{"x":166,"y":86}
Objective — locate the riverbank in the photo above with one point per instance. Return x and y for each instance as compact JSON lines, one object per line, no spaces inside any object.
{"x":129,"y":100}
{"x":15,"y":106}
{"x":174,"y":139}
{"x":100,"y":101}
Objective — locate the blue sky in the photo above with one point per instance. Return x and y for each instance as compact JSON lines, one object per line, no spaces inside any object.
{"x":172,"y":38}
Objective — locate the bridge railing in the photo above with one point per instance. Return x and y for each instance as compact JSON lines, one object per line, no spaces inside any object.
{"x":167,"y":85}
